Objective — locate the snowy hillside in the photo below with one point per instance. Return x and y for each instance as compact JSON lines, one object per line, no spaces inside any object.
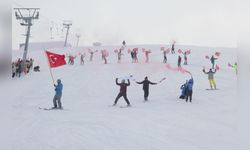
{"x":89,"y":123}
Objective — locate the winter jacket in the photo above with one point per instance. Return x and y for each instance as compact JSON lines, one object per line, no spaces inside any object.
{"x":184,"y":89}
{"x":210,"y":74}
{"x":190,"y":84}
{"x":59,"y":88}
{"x":123,"y":86}
{"x":212,"y":59}
{"x":146,"y":84}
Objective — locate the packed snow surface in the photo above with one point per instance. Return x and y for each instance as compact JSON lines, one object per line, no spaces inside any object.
{"x":89,"y":123}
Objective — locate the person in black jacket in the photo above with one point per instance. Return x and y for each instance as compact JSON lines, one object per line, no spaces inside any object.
{"x":123,"y":91}
{"x":179,"y":61}
{"x":145,"y":88}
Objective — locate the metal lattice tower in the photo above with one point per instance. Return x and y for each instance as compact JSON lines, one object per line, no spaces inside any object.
{"x":26,"y":20}
{"x":67,"y":24}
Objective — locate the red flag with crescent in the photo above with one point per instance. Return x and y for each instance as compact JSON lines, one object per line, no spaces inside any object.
{"x":55,"y":60}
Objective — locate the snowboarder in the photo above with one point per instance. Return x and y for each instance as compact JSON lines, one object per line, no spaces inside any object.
{"x":58,"y":95}
{"x":179,"y":61}
{"x":212,"y":59}
{"x":210,"y":74}
{"x":189,"y":89}
{"x":123,"y":91}
{"x":145,"y":88}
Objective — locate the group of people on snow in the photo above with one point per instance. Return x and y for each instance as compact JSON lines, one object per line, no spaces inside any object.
{"x":18,"y":67}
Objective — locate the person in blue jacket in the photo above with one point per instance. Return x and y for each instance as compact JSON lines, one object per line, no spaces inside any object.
{"x":58,"y":95}
{"x":183,"y":90}
{"x":189,"y":89}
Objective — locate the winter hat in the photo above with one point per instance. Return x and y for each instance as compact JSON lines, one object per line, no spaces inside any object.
{"x":59,"y":81}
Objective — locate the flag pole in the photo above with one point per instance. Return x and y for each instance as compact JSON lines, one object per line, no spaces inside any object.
{"x":49,"y":68}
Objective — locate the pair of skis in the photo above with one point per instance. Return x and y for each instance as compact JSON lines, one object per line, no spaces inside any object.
{"x":43,"y":108}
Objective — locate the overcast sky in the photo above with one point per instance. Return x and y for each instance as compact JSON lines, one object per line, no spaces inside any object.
{"x":194,"y":22}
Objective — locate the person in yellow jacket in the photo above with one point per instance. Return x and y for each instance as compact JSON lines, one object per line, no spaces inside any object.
{"x":235,"y":67}
{"x":211,"y":80}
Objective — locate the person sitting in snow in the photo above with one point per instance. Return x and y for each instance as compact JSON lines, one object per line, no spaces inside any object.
{"x":123,"y":91}
{"x":58,"y":95}
{"x":183,"y":90}
{"x":145,"y":88}
{"x":210,"y":74}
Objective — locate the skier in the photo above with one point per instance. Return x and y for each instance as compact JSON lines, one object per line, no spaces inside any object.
{"x":234,"y":66}
{"x":132,"y":56}
{"x":165,"y":56}
{"x":146,"y":54}
{"x":212,"y":59}
{"x":82,"y":59}
{"x":91,"y":54}
{"x":124,"y":43}
{"x":135,"y":56}
{"x":31,"y":63}
{"x":19,"y":68}
{"x":172,"y":49}
{"x":179,"y":61}
{"x":104,"y":56}
{"x":210,"y":74}
{"x":189,"y":89}
{"x":58,"y":95}
{"x":145,"y":88}
{"x":123,"y":91}
{"x":185,"y":58}
{"x":119,"y":55}
{"x":13,"y":70}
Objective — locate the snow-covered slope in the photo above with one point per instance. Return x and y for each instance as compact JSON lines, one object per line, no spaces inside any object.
{"x":88,"y":123}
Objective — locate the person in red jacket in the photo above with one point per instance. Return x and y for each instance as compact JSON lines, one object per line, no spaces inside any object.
{"x":123,"y":91}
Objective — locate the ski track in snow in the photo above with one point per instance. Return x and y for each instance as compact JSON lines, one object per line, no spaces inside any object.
{"x":164,"y":122}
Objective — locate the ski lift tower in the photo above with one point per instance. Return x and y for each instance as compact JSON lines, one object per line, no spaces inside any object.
{"x":67,"y":24}
{"x":26,"y":17}
{"x":77,"y":37}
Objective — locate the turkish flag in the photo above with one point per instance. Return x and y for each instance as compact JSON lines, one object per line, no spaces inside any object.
{"x":55,"y":60}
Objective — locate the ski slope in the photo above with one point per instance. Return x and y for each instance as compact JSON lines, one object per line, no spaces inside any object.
{"x":88,"y":123}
